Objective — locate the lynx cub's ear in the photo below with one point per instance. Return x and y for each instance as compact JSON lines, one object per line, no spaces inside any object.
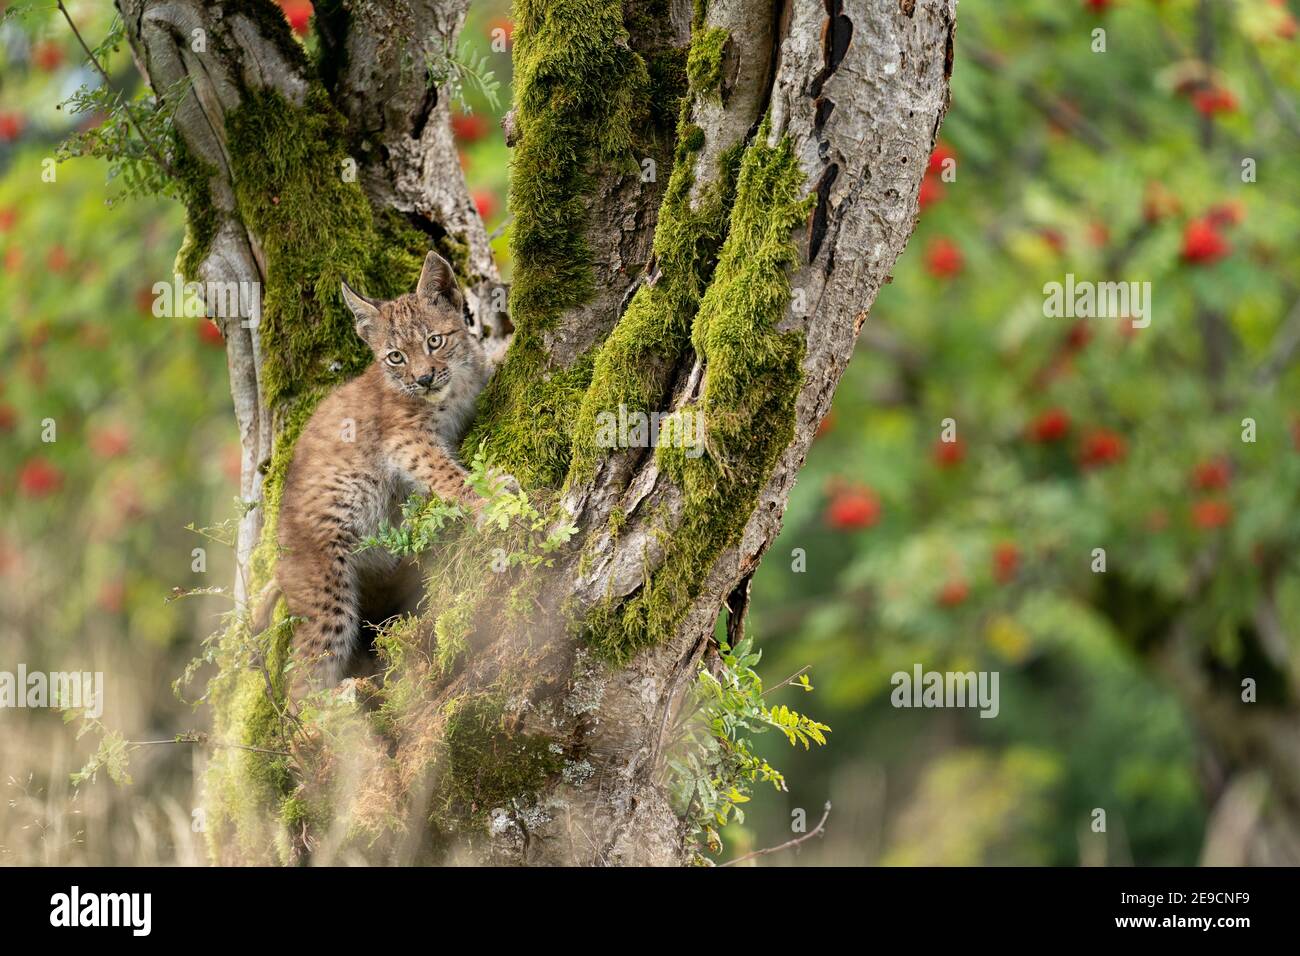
{"x":365,"y":311}
{"x":436,"y":279}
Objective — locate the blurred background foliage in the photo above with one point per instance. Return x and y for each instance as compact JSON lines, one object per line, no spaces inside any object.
{"x":899,"y":548}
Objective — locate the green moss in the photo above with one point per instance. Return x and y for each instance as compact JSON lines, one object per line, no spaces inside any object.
{"x":704,"y":61}
{"x":526,"y":414}
{"x":201,"y":218}
{"x":753,"y":374}
{"x":579,"y":92}
{"x":488,"y":766}
{"x":242,"y":784}
{"x":666,"y":70}
{"x":452,"y":630}
{"x":316,"y":230}
{"x":654,"y":330}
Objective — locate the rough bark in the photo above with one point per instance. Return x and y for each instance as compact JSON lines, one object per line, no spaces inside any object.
{"x":854,"y":91}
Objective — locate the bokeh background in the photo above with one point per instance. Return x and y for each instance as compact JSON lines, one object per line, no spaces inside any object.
{"x":1167,"y":157}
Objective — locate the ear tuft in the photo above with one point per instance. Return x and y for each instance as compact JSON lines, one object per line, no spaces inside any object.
{"x":436,"y":278}
{"x":364,"y":310}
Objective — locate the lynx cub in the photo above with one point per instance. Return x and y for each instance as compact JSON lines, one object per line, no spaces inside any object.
{"x":369,"y":445}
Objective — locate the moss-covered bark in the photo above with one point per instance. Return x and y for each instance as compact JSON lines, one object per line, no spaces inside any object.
{"x":580,"y":91}
{"x":752,"y":377}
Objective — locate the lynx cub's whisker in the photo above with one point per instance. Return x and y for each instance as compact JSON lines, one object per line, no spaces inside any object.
{"x":370,"y":444}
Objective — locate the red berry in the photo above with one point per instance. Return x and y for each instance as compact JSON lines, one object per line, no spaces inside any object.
{"x":853,"y":509}
{"x":1211,"y":513}
{"x":11,"y":126}
{"x":111,"y":441}
{"x":504,"y":24}
{"x":931,"y":192}
{"x":232,"y":461}
{"x":826,"y":425}
{"x":58,"y":260}
{"x":1080,"y":334}
{"x":1050,"y":425}
{"x":1212,"y":100}
{"x":468,"y":127}
{"x":954,"y":592}
{"x":145,"y":299}
{"x":47,"y":55}
{"x":1226,"y":214}
{"x":298,"y":13}
{"x":948,"y":454}
{"x":1097,"y":6}
{"x":1202,"y":243}
{"x":485,"y":202}
{"x":1101,"y":447}
{"x":39,"y":478}
{"x":942,"y":153}
{"x":210,"y":334}
{"x":8,"y":216}
{"x":1006,"y":561}
{"x":943,"y":259}
{"x":1212,"y":475}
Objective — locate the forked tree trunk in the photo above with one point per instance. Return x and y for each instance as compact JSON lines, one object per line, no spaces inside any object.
{"x":717,"y":260}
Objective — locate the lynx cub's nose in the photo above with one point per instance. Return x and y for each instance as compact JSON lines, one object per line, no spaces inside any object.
{"x":426,"y":380}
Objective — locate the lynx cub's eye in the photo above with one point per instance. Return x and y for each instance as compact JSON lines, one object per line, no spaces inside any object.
{"x":394,"y":358}
{"x":435,"y":342}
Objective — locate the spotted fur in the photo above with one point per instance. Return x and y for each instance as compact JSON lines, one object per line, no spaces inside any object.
{"x":370,"y":444}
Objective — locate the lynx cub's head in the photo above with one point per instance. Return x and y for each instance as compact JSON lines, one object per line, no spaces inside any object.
{"x":424,"y":341}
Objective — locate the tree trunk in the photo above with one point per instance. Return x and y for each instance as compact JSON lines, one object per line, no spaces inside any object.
{"x":706,"y":199}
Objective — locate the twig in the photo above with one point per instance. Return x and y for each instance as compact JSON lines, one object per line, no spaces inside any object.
{"x":789,"y":680}
{"x":215,"y":743}
{"x":1285,"y":110}
{"x":815,"y":831}
{"x":126,"y":107}
{"x":1285,"y":344}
